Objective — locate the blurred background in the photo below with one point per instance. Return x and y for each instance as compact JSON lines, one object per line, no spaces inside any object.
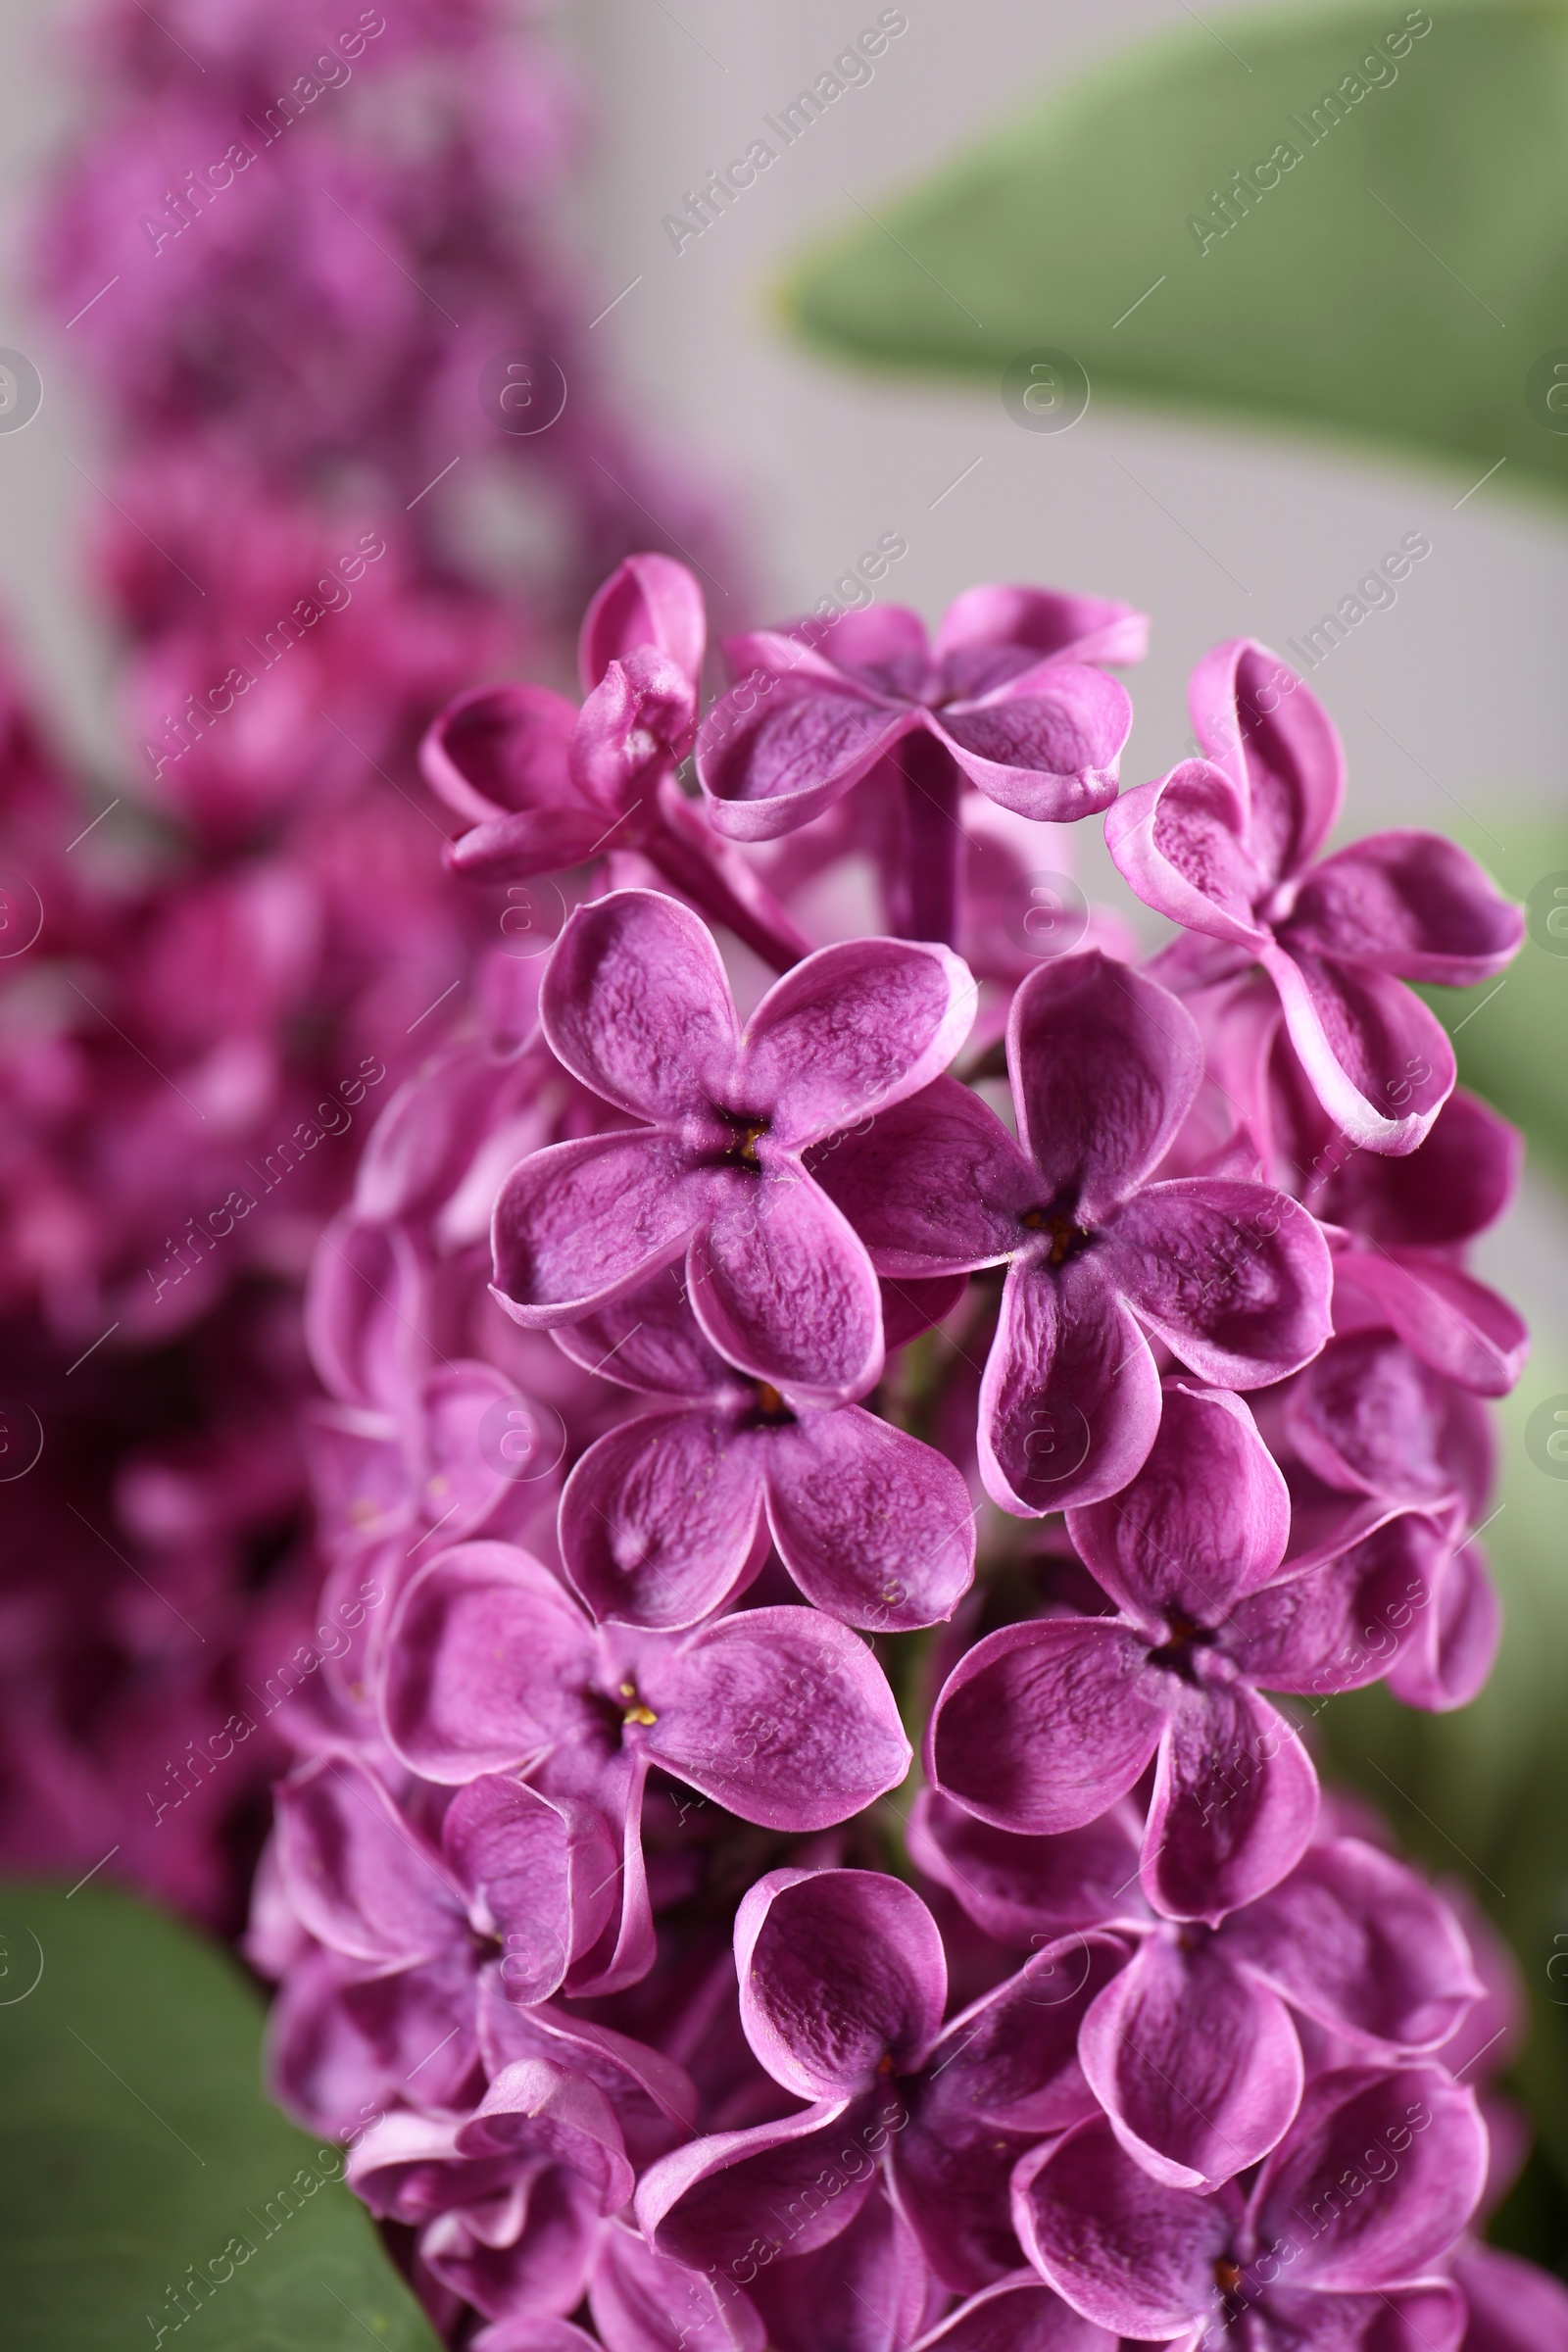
{"x":780,"y":456}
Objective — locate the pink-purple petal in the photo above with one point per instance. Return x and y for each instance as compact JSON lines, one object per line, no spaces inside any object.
{"x":1236,"y":1279}
{"x":851,"y":1030}
{"x":1380,"y":1064}
{"x":842,"y":1977}
{"x":1051,"y":753}
{"x":581,"y":1222}
{"x":931,"y":1184}
{"x":1070,"y":1397}
{"x":1181,"y":843}
{"x":646,"y":599}
{"x":874,"y":1527}
{"x":778,"y":1714}
{"x":658,"y":1520}
{"x":500,"y":749}
{"x":1129,"y":2253}
{"x":771,"y":760}
{"x":1255,"y":716}
{"x":1410,"y":903}
{"x":1235,"y":1802}
{"x":784,"y":1289}
{"x":1041,"y":1727}
{"x":1104,"y":1067}
{"x":636,"y":1004}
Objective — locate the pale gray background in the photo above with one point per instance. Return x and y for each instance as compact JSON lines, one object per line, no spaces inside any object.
{"x":1465,"y":673}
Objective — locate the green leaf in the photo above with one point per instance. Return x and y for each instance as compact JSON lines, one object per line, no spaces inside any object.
{"x":138,"y":2154}
{"x":1399,"y":282}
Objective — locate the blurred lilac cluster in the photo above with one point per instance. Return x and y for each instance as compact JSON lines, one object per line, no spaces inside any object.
{"x":293,"y":252}
{"x":748,"y":1350}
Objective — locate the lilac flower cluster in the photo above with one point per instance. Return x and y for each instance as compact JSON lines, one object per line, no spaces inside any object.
{"x":684,"y":1358}
{"x":218,"y":958}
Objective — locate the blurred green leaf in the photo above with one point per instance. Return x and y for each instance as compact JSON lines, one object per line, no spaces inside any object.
{"x":138,"y":2155}
{"x":1399,"y":281}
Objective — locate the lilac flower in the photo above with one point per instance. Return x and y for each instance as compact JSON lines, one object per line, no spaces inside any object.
{"x":843,"y":1984}
{"x":636,"y":1004}
{"x":1232,"y":1277}
{"x":1018,"y":2314}
{"x":545,"y":785}
{"x":1334,"y":2246}
{"x":667,"y":1516}
{"x":1223,"y":845}
{"x":1191,"y":2050}
{"x":1513,"y":2306}
{"x":1043,"y":1725}
{"x":1005,"y":699}
{"x":779,"y":1714}
{"x":515,"y":1873}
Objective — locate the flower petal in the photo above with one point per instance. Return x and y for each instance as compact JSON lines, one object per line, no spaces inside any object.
{"x":1411,"y":904}
{"x":1380,"y":1063}
{"x":854,"y":1029}
{"x":839,"y":1971}
{"x":1181,"y":843}
{"x":658,"y":1520}
{"x":1104,"y":1067}
{"x":1237,"y":1278}
{"x":1354,"y":1939}
{"x":1047,"y":745}
{"x":989,"y":626}
{"x":1368,"y":1417}
{"x":1206,"y":1520}
{"x":646,"y":599}
{"x":1041,"y":1727}
{"x":1455,"y":1645}
{"x":1027,"y":1889}
{"x":1015,"y":2314}
{"x":1129,"y":2253}
{"x":643,"y":2302}
{"x":1460,"y":1182}
{"x":361,"y":1878}
{"x":543,"y":1873}
{"x":1513,"y":2307}
{"x":782,"y":1286}
{"x":791,"y":2185}
{"x":770,"y":757}
{"x":1272,"y":736}
{"x":1234,"y":1801}
{"x":1199,"y":2070}
{"x":779,"y":1715}
{"x":1453,"y":1323}
{"x":931,"y":1184}
{"x":1341,"y":1624}
{"x":578,"y":1224}
{"x":1070,"y":1398}
{"x":533,"y":841}
{"x":633,"y":728}
{"x":540,"y":2110}
{"x":500,"y":749}
{"x":635,"y":1002}
{"x":874,"y":1527}
{"x":1389,"y":2164}
{"x":486,"y":1663}
{"x":869,"y":2291}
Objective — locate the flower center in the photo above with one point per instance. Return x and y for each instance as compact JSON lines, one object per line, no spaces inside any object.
{"x":1184,"y":1636}
{"x":768,"y":1409}
{"x":1067,"y":1236}
{"x":635,"y":1711}
{"x":747,"y":1129}
{"x":1227,"y":2275}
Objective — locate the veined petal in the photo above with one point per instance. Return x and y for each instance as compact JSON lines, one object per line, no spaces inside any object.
{"x":1041,"y":1727}
{"x":635,"y":1002}
{"x":1105,"y":1066}
{"x":782,"y":1286}
{"x":874,"y":1527}
{"x":780,"y":1715}
{"x":1237,"y":1278}
{"x":1048,"y":746}
{"x":854,"y":1029}
{"x":1181,"y":843}
{"x":579,"y":1223}
{"x":1070,"y":1398}
{"x":1131,"y":2254}
{"x":786,"y":2184}
{"x":486,"y":1664}
{"x":1199,"y":2070}
{"x":1234,"y":1801}
{"x":1015,"y":2314}
{"x":1411,"y":904}
{"x":361,"y":1878}
{"x":1025,"y":1890}
{"x":773,"y":755}
{"x":500,"y":749}
{"x":1380,"y":1063}
{"x":646,"y":599}
{"x":1354,"y":1939}
{"x":993,"y":624}
{"x":1272,"y":736}
{"x":840,"y":1970}
{"x":931,"y":1184}
{"x":1206,"y":1520}
{"x":658,"y":1519}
